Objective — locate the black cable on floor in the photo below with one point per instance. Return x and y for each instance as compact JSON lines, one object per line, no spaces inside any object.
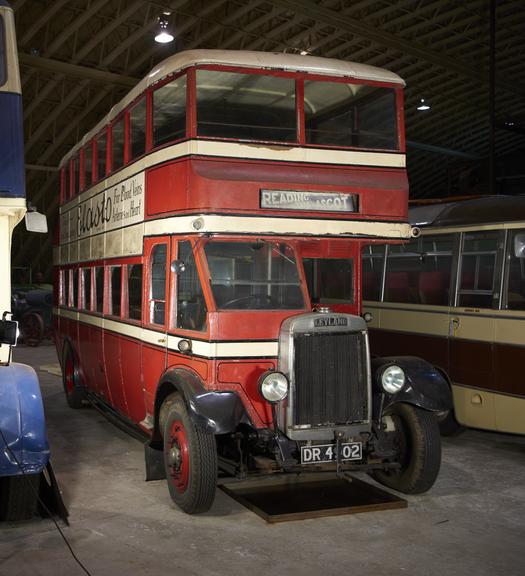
{"x":48,"y":512}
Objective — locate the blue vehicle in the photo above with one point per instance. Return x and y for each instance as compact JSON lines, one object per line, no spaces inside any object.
{"x":25,"y":473}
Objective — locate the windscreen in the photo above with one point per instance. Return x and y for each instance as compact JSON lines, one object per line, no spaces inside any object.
{"x":254,"y":276}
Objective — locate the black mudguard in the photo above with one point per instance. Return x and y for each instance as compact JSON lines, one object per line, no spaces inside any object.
{"x":425,"y":387}
{"x":216,"y":412}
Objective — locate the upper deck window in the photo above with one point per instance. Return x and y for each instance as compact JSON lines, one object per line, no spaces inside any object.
{"x":117,"y":144}
{"x":75,"y":187}
{"x":246,"y":106}
{"x":169,"y":112}
{"x":350,"y":115}
{"x":101,"y":149}
{"x":88,"y":165}
{"x":137,"y":118}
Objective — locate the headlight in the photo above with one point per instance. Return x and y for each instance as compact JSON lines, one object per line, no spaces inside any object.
{"x":273,"y":386}
{"x":392,"y":379}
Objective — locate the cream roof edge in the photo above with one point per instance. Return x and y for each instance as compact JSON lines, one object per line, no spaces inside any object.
{"x":243,"y":59}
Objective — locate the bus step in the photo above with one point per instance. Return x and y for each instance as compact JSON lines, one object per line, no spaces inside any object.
{"x":291,"y":498}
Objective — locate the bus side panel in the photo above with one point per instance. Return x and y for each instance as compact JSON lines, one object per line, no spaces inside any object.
{"x":112,"y":361}
{"x":509,"y":352}
{"x":85,"y":353}
{"x":131,"y":360}
{"x":12,"y":182}
{"x":433,"y":349}
{"x":99,"y":383}
{"x":153,"y":366}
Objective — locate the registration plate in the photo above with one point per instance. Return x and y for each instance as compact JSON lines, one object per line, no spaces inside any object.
{"x":328,"y":453}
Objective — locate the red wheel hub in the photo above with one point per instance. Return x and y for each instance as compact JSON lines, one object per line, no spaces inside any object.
{"x":178,"y":457}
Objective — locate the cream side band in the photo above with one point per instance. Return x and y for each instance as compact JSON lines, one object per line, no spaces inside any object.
{"x":242,"y":151}
{"x":430,"y":231}
{"x":124,"y":242}
{"x":199,"y":347}
{"x":502,"y":326}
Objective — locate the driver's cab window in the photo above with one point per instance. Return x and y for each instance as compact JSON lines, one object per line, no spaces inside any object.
{"x":330,"y":280}
{"x":191,"y":306}
{"x":157,"y":295}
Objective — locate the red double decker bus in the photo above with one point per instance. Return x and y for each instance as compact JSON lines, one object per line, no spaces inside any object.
{"x":208,"y":273}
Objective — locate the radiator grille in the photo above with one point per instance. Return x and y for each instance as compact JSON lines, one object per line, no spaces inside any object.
{"x":330,"y":379}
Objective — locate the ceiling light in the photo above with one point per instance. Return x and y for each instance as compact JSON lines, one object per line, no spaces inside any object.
{"x":423,"y":105}
{"x":164,"y":35}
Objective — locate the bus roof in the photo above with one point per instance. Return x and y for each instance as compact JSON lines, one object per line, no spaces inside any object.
{"x":244,"y":59}
{"x":488,"y":210}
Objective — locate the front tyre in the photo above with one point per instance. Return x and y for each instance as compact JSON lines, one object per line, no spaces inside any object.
{"x":418,"y":447}
{"x":190,"y":459}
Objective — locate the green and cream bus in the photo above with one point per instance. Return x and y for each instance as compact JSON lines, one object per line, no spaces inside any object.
{"x":455,"y":295}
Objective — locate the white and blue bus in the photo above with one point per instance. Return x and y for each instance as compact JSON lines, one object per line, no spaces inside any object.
{"x":24,"y":450}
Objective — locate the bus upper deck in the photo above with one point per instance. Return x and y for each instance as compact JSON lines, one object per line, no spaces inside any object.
{"x":233,"y":134}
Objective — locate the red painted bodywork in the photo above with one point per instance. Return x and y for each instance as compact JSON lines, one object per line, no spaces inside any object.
{"x":125,"y":371}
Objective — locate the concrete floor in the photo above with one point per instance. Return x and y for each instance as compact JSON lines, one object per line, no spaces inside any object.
{"x":471,"y":523}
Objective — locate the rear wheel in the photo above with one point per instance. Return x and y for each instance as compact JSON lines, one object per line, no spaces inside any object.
{"x":418,"y":446}
{"x":190,"y":459}
{"x":75,"y":393}
{"x":19,"y":497}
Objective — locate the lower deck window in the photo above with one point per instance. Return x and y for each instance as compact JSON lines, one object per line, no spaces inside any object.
{"x":116,"y":279}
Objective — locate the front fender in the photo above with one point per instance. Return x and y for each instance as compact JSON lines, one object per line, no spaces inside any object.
{"x":22,"y":422}
{"x":215,"y":411}
{"x":425,"y":387}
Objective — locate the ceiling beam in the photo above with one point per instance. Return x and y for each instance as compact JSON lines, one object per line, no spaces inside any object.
{"x":76,"y":71}
{"x":308,"y":9}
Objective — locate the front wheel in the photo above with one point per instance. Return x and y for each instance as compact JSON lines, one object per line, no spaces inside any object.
{"x":190,"y":459}
{"x":418,"y":447}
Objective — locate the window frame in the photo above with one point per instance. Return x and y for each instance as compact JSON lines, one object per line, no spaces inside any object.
{"x":122,"y":117}
{"x":102,"y":135}
{"x":87,"y":306}
{"x":129,"y":133}
{"x":126,"y":314}
{"x":496,"y":292}
{"x":189,"y":106}
{"x":299,"y":77}
{"x":148,"y":300}
{"x":109,"y":291}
